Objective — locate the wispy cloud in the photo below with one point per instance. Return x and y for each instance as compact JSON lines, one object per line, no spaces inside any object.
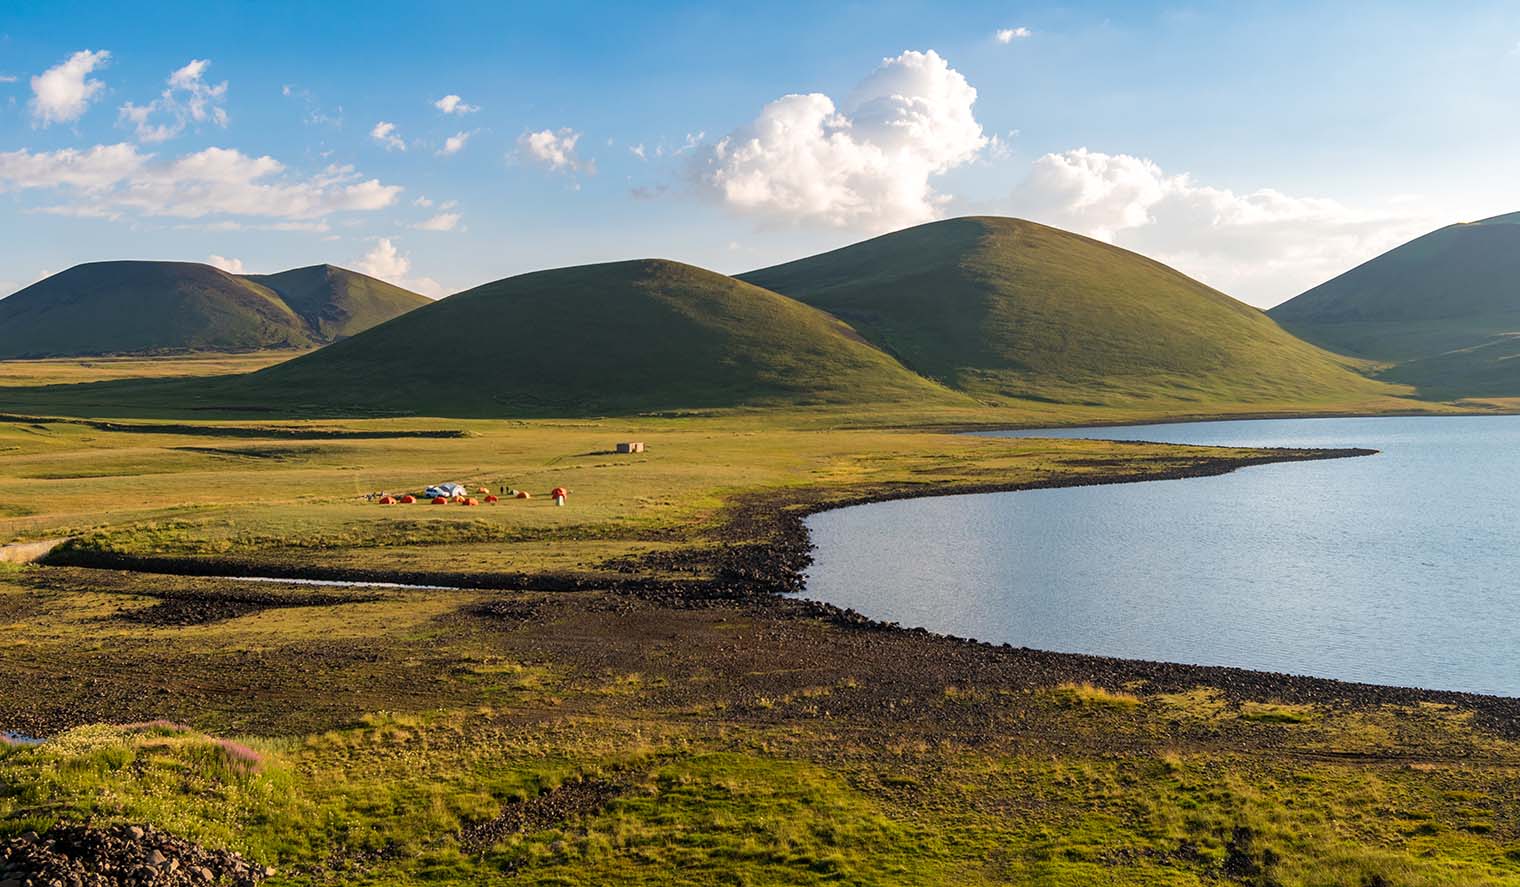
{"x":315,"y":114}
{"x":556,"y":150}
{"x":188,"y":99}
{"x":1008,"y":35}
{"x":440,"y":222}
{"x":453,"y":104}
{"x":454,"y":143}
{"x":384,"y":132}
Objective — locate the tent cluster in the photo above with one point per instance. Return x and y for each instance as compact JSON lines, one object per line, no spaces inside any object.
{"x":443,"y":494}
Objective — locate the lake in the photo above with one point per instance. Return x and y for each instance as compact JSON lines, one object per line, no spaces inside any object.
{"x":1401,"y":568}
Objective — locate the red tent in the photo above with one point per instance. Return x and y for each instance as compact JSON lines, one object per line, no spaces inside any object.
{"x":387,"y":500}
{"x":471,"y":500}
{"x":440,"y":500}
{"x":408,"y":499}
{"x":490,"y":498}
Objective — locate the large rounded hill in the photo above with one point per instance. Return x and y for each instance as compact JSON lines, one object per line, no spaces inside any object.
{"x":165,"y":307}
{"x":1002,"y":307}
{"x":617,"y":338}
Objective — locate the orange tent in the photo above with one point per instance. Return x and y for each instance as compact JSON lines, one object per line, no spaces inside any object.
{"x":387,"y":500}
{"x":523,"y":494}
{"x":484,"y":490}
{"x":408,"y":499}
{"x":490,"y":498}
{"x":440,"y":500}
{"x":469,"y":501}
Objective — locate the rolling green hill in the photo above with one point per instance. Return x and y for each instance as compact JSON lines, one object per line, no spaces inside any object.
{"x":1443,"y":308}
{"x":337,"y":303}
{"x":615,"y":338}
{"x":1005,"y":308}
{"x":167,"y":307}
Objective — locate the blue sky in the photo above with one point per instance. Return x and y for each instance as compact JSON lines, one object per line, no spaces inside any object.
{"x":1260,"y":147}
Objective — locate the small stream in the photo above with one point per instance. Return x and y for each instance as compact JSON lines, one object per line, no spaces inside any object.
{"x":342,"y":583}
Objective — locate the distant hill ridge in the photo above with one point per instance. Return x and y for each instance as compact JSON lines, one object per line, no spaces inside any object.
{"x":957,"y":312}
{"x":1443,"y":309}
{"x":140,"y":307}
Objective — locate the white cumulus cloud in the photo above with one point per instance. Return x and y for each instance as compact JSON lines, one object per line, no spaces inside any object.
{"x":188,"y":98}
{"x":454,"y":143}
{"x":108,"y":181}
{"x":453,"y":104}
{"x":231,"y":266}
{"x":388,"y":263}
{"x":385,"y":133}
{"x":555,"y":149}
{"x":1008,"y":35}
{"x":866,"y":163}
{"x":62,"y":93}
{"x":1263,"y":246}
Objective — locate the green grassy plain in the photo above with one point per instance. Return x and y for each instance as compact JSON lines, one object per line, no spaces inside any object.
{"x":393,"y":736}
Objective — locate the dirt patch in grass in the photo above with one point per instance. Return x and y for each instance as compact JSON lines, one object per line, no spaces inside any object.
{"x":274,"y":432}
{"x":551,"y":809}
{"x":200,"y":608}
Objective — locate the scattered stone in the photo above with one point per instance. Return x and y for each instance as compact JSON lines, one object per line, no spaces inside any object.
{"x":78,"y":855}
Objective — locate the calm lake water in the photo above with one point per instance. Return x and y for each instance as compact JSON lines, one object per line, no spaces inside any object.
{"x":1401,"y":568}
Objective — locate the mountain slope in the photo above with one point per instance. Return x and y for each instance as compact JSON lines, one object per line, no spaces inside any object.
{"x":1008,"y":308}
{"x":1443,"y":307}
{"x":163,"y":307}
{"x":336,"y":303}
{"x":616,"y":338}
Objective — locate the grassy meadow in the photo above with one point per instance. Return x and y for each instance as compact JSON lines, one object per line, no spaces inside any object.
{"x":602,"y":736}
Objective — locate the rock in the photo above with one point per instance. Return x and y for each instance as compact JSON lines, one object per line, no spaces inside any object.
{"x":76,"y":855}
